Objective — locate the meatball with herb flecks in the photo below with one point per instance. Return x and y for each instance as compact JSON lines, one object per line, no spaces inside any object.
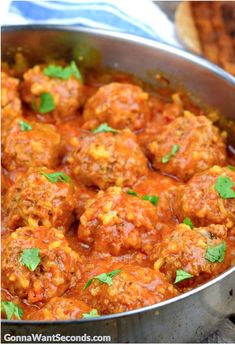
{"x":38,"y":264}
{"x":121,"y":105}
{"x":187,"y":145}
{"x":116,"y":222}
{"x":40,"y":197}
{"x":11,"y":107}
{"x":30,"y":144}
{"x":61,"y":308}
{"x":194,"y":251}
{"x":208,"y":198}
{"x":108,"y":159}
{"x":50,"y":92}
{"x":126,"y":288}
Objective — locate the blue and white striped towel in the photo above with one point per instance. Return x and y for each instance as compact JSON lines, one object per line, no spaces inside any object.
{"x":137,"y":17}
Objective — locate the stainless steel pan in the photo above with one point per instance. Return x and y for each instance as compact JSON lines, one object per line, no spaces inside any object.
{"x":193,"y":315}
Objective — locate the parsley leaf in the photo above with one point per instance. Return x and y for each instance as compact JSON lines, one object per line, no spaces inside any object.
{"x":224,"y":187}
{"x":231,"y":167}
{"x":10,"y":309}
{"x":24,"y":126}
{"x":151,"y":198}
{"x":75,"y":71}
{"x":92,"y":313}
{"x":182,"y":275}
{"x":188,"y":222}
{"x":104,"y":127}
{"x":217,"y":253}
{"x":31,"y":258}
{"x":131,"y":192}
{"x":105,"y":278}
{"x":64,"y":73}
{"x":47,"y":103}
{"x":58,"y":177}
{"x":174,"y":150}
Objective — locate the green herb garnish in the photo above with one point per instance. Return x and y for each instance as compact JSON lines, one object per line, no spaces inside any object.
{"x":217,"y":253}
{"x":182,"y":275}
{"x":105,"y":278}
{"x":47,"y":103}
{"x":231,"y":167}
{"x":224,"y":187}
{"x":188,"y":222}
{"x":92,"y":313}
{"x":151,"y":198}
{"x":58,"y":177}
{"x":24,"y":126}
{"x":11,"y":309}
{"x":31,"y":258}
{"x":104,"y":127}
{"x":56,"y":71}
{"x":132,"y":192}
{"x":174,"y":150}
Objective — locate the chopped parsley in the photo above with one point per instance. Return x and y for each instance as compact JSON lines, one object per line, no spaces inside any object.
{"x":92,"y":313}
{"x":58,"y":177}
{"x":151,"y":198}
{"x":46,"y":103}
{"x":224,"y":186}
{"x":131,"y":192}
{"x":24,"y":126}
{"x":174,"y":150}
{"x":217,"y":253}
{"x":188,"y":222}
{"x":31,"y":258}
{"x":104,"y":127}
{"x":64,"y":73}
{"x":182,"y":275}
{"x":231,"y":167}
{"x":11,"y":309}
{"x":104,"y":278}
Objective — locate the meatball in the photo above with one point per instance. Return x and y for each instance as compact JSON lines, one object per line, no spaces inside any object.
{"x":133,"y":287}
{"x":60,"y":308}
{"x":107,"y":159}
{"x":56,"y":271}
{"x":200,"y":201}
{"x":185,"y":249}
{"x":121,"y":105}
{"x":10,"y":101}
{"x":186,"y":146}
{"x":67,"y":94}
{"x":35,"y":200}
{"x":116,"y":222}
{"x":38,"y":145}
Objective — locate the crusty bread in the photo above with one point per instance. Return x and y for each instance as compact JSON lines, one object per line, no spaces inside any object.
{"x":186,"y":28}
{"x":208,"y":28}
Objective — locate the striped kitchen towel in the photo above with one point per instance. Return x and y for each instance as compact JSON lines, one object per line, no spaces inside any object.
{"x":137,"y":17}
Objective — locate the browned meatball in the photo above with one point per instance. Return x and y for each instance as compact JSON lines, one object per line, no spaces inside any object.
{"x":185,"y":249}
{"x":10,"y":101}
{"x":56,"y":271}
{"x":67,"y":94}
{"x":120,"y":105}
{"x":108,"y":159}
{"x":200,"y":201}
{"x":34,"y":200}
{"x":116,"y":222}
{"x":186,"y":146}
{"x":60,"y":308}
{"x":39,"y":145}
{"x":134,"y":287}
